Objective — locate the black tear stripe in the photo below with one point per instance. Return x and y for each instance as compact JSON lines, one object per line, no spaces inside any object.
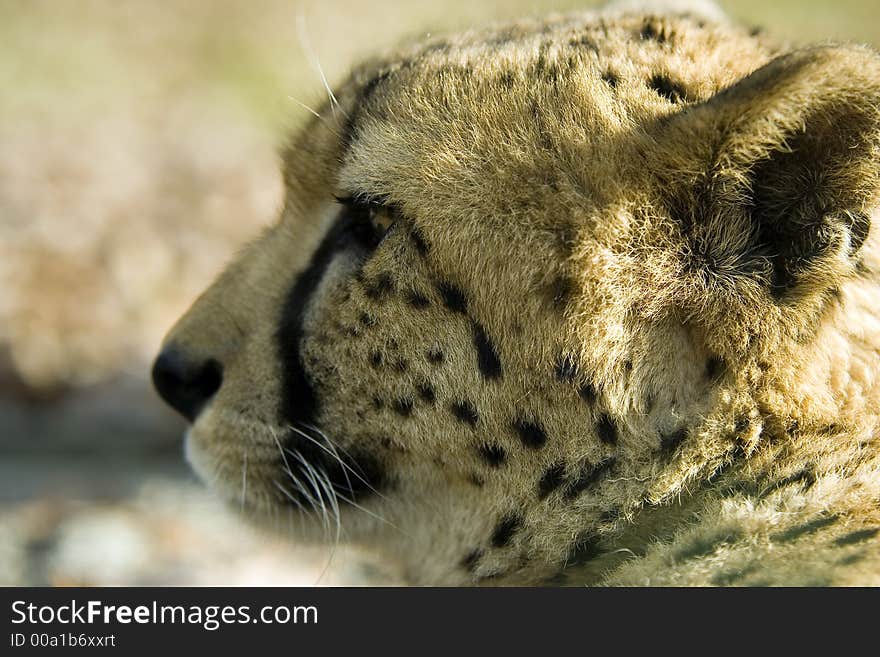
{"x":487,"y":355}
{"x":300,"y":404}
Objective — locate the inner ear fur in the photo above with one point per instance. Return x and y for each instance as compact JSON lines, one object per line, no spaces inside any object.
{"x":777,"y":176}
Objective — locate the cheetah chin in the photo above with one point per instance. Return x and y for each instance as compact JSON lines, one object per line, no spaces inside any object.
{"x":587,"y":299}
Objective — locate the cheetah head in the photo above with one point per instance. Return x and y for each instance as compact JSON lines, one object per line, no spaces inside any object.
{"x":527,"y":279}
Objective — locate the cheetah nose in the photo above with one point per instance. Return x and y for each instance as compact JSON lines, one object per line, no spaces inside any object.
{"x":186,"y":383}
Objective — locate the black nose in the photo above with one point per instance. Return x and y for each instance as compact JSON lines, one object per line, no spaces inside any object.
{"x":187,"y":384}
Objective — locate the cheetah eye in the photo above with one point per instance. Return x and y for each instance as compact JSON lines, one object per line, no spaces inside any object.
{"x":370,"y":220}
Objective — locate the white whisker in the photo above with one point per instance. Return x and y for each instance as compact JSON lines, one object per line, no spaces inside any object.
{"x":311,"y":55}
{"x":305,"y":107}
{"x":331,"y":450}
{"x":321,"y":485}
{"x":334,"y":446}
{"x":244,"y":467}
{"x":310,"y":476}
{"x":286,"y":493}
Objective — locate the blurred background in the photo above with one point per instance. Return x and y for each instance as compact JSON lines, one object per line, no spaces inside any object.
{"x":138,"y":145}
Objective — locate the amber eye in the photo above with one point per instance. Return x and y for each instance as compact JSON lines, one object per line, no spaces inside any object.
{"x":382,"y":220}
{"x":370,"y":219}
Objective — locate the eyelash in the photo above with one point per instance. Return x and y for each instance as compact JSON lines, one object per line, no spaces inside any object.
{"x":370,"y":219}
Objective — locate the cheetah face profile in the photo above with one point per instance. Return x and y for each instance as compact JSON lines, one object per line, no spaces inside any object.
{"x":522,"y":283}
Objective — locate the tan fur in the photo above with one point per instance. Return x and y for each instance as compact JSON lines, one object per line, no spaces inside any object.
{"x":668,"y":207}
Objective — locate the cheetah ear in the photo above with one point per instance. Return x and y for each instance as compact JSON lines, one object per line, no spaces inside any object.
{"x":787,"y":169}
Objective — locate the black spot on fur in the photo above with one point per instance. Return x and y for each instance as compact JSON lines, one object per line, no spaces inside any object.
{"x":376,"y":359}
{"x":857,"y":537}
{"x":507,"y":527}
{"x":806,"y":477}
{"x":465,"y":412}
{"x":507,"y":79}
{"x":367,"y":319}
{"x":702,"y":546}
{"x":379,"y":287}
{"x":653,"y":30}
{"x":672,"y":91}
{"x":551,"y":479}
{"x":584,"y":42}
{"x":552,"y":73}
{"x":453,"y":297}
{"x":566,"y":369}
{"x":417,"y":300}
{"x":588,"y":476}
{"x":400,"y":365}
{"x":471,"y":560}
{"x":419,"y":242}
{"x":487,"y":354}
{"x":669,"y":442}
{"x":851,"y":559}
{"x":426,"y":392}
{"x":832,"y":429}
{"x":541,"y":61}
{"x":435,"y":356}
{"x":606,"y":430}
{"x":588,"y":393}
{"x":492,"y":454}
{"x":531,"y":434}
{"x":541,"y":125}
{"x":611,"y":79}
{"x":378,"y":403}
{"x":804,"y":529}
{"x":403,"y":406}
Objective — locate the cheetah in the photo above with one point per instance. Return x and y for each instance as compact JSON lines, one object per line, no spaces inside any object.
{"x":586,"y":299}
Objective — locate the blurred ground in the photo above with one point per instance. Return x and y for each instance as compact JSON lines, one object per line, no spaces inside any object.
{"x":137,"y":152}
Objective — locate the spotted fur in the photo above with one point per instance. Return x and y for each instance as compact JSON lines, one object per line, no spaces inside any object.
{"x":589,"y":298}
